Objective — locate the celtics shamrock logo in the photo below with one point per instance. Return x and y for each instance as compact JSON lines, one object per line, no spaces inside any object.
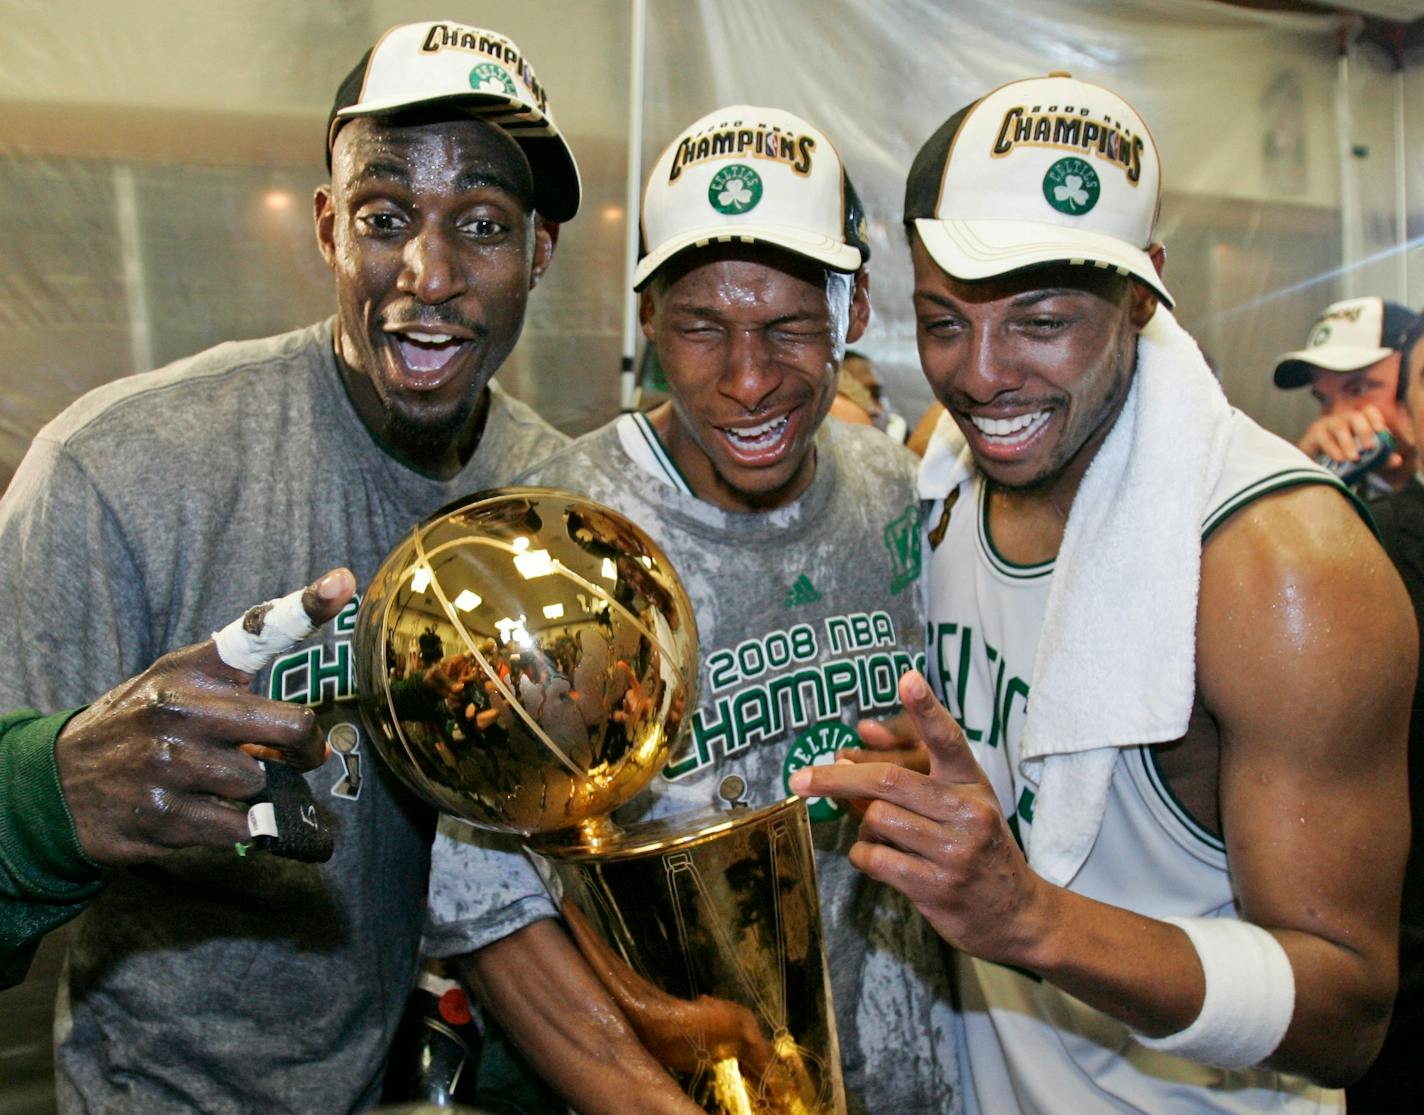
{"x":1319,"y":335}
{"x":814,"y":747}
{"x":1071,"y":186}
{"x":734,"y":189}
{"x":488,"y":77}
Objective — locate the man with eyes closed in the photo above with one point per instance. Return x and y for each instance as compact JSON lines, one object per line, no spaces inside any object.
{"x":1163,"y":817}
{"x":161,"y":505}
{"x":789,"y":532}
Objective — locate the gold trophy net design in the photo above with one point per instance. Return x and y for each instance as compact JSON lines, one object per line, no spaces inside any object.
{"x":525,"y":662}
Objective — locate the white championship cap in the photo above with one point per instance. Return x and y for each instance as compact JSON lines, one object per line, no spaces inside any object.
{"x":1044,"y":170}
{"x":1348,"y":336}
{"x":758,"y":175}
{"x":482,"y":73}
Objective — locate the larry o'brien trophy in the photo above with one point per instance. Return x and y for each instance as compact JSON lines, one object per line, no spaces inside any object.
{"x":524,"y":662}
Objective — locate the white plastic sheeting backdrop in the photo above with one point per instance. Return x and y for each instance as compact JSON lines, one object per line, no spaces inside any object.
{"x":1241,"y":103}
{"x":157,"y":159}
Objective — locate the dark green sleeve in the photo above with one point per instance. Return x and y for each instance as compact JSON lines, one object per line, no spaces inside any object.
{"x":45,"y":877}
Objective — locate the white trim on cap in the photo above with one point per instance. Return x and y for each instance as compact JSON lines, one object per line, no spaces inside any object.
{"x":833,"y":253}
{"x":982,"y":249}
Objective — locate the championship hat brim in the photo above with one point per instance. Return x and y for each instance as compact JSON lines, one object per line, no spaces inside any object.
{"x":835,"y":254}
{"x":1349,"y":336}
{"x":1297,"y":369}
{"x":983,"y":249}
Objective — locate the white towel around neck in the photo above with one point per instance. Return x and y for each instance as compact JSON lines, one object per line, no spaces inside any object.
{"x":1116,"y":662}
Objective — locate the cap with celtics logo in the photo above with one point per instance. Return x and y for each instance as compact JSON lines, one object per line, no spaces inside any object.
{"x":1348,"y":336}
{"x":1044,"y":170}
{"x":480,"y":72}
{"x":758,"y":175}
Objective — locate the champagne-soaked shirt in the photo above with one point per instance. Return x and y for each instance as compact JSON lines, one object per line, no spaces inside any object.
{"x":806,"y":616}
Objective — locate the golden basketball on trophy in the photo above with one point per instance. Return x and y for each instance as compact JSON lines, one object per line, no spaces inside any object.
{"x":525,"y":662}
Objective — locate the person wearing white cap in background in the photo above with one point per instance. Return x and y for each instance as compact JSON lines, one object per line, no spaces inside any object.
{"x":1164,"y":825}
{"x":1392,"y":1081}
{"x":157,"y":507}
{"x":753,"y":280}
{"x":1350,"y":362}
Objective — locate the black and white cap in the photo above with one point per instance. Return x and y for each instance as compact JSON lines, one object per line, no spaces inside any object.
{"x":483,"y":73}
{"x":1043,"y":170}
{"x":1348,"y":336}
{"x":756,"y":175}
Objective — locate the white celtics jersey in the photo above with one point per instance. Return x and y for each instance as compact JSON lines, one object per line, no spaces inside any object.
{"x":1026,"y":1046}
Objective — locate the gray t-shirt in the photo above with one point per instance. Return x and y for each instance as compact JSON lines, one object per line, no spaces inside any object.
{"x":823,"y":589}
{"x":151,"y":512}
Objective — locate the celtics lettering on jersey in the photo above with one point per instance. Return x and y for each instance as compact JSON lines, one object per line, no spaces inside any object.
{"x":815,"y":746}
{"x":985,"y":694}
{"x":956,"y":654}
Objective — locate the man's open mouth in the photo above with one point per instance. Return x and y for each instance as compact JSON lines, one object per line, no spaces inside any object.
{"x":428,"y":358}
{"x":756,"y":439}
{"x":1008,"y":432}
{"x":427,"y":352}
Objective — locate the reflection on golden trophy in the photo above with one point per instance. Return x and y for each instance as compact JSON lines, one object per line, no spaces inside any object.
{"x":524,"y":662}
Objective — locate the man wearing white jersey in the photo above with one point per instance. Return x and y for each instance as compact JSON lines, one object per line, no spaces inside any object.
{"x":1164,"y":819}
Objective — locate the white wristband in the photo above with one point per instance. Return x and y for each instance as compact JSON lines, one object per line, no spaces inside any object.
{"x":264,"y":632}
{"x":1250,"y":995}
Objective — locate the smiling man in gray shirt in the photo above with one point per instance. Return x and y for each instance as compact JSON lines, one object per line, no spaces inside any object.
{"x":159,"y":506}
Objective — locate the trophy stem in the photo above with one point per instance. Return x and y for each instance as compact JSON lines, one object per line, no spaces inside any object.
{"x":597,"y":832}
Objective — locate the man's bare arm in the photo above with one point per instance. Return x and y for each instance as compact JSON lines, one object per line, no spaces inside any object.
{"x":1306,"y":658}
{"x":555,"y":1009}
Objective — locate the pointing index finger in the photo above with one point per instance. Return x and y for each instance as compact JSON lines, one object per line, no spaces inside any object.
{"x":267,"y":630}
{"x":950,"y":757}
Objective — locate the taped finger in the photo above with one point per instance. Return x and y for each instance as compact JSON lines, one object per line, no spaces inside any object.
{"x":263,"y":632}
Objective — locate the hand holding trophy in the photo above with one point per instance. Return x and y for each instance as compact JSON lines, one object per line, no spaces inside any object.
{"x":557,"y":658}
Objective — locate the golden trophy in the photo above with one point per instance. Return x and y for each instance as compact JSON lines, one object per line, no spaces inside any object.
{"x":524,"y":662}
